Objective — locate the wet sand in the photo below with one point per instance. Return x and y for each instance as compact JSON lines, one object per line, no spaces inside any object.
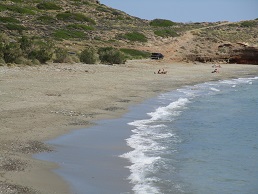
{"x":43,"y":102}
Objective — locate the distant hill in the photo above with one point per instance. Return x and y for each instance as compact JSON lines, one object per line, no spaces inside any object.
{"x":65,"y":28}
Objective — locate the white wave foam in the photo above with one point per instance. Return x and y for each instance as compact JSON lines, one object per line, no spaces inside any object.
{"x":214,"y":89}
{"x":164,"y":113}
{"x":238,"y":81}
{"x":145,"y":157}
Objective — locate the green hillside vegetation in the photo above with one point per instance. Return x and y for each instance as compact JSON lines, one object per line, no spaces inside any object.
{"x":166,"y":33}
{"x":73,"y":26}
{"x":48,"y":6}
{"x":162,"y":23}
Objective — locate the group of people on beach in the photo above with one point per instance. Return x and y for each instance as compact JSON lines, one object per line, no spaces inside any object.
{"x":216,"y":70}
{"x":161,"y":72}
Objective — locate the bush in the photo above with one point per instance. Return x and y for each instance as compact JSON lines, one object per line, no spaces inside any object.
{"x":11,"y":52}
{"x":26,"y":45}
{"x":111,"y":55}
{"x":18,"y":9}
{"x":3,"y":7}
{"x":22,"y":60}
{"x":135,"y":36}
{"x":8,"y":20}
{"x":46,"y":19}
{"x":2,"y":47}
{"x":2,"y":62}
{"x":68,"y":34}
{"x":162,"y":23}
{"x":42,"y":52}
{"x":42,"y":55}
{"x":24,"y":50}
{"x":67,"y":16}
{"x":135,"y":54}
{"x":102,"y":9}
{"x":116,"y":13}
{"x":166,"y":33}
{"x":248,"y":24}
{"x":60,"y":55}
{"x":48,"y":6}
{"x":88,"y":56}
{"x":10,"y":26}
{"x":80,"y":27}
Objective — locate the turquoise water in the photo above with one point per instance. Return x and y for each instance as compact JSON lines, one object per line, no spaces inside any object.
{"x":199,"y":139}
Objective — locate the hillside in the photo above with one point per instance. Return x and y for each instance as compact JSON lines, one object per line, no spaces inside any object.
{"x":66,"y":28}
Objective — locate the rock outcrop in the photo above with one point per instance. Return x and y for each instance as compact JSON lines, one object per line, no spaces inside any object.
{"x":229,"y":53}
{"x":246,"y":55}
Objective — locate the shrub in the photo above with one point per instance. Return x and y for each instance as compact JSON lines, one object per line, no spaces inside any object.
{"x":80,"y":27}
{"x":135,"y":54}
{"x":21,"y":10}
{"x":48,"y":6}
{"x":3,"y":7}
{"x":102,"y":9}
{"x":166,"y":33}
{"x":8,"y":20}
{"x":135,"y":36}
{"x":26,"y":45}
{"x":46,"y":19}
{"x":68,"y":34}
{"x":248,"y":24}
{"x":60,"y":55}
{"x":11,"y":26}
{"x":42,"y":52}
{"x":17,"y":1}
{"x":88,"y":56}
{"x":2,"y":62}
{"x":11,"y":52}
{"x":22,"y":60}
{"x":111,"y":55}
{"x":162,"y":23}
{"x":2,"y":47}
{"x":42,"y":55}
{"x":67,"y":16}
{"x":116,"y":13}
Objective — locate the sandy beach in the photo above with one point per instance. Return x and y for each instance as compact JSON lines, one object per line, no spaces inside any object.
{"x":39,"y":103}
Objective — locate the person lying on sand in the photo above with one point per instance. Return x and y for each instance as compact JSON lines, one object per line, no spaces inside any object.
{"x":161,"y":72}
{"x":216,"y":66}
{"x":215,"y":71}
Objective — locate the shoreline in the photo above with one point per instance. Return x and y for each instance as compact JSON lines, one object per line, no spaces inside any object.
{"x":43,"y":102}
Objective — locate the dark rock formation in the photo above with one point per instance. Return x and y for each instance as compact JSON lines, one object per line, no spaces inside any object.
{"x":229,"y":53}
{"x":246,"y":55}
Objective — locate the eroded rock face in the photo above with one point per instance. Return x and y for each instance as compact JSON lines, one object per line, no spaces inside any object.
{"x":246,"y":55}
{"x":229,"y":53}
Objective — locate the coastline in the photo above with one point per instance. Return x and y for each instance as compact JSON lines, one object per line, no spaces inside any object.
{"x":43,"y":102}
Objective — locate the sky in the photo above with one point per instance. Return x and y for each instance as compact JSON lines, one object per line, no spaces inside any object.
{"x":188,"y":10}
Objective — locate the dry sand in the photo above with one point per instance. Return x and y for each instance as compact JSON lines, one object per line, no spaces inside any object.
{"x":42,"y":102}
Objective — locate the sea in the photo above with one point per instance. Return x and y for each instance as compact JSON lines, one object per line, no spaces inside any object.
{"x":200,"y":139}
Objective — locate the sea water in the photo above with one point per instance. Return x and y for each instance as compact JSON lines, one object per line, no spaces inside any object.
{"x":198,"y":139}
